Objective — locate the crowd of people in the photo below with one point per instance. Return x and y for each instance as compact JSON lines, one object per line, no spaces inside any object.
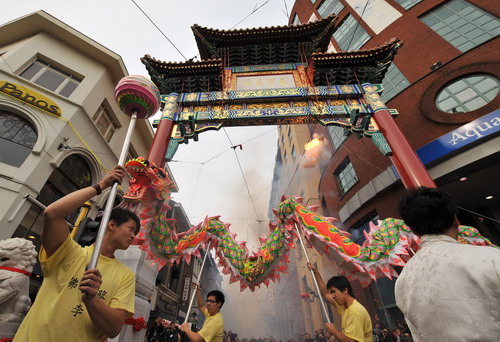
{"x":381,"y":333}
{"x":399,"y":334}
{"x":163,"y":331}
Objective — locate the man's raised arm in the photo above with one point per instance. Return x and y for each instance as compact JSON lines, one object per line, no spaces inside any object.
{"x":199,"y":299}
{"x":321,"y":284}
{"x":55,"y":229}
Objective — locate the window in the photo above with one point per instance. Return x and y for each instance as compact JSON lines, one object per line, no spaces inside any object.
{"x":407,"y":4}
{"x":50,"y":77}
{"x":357,"y":231}
{"x":346,"y":177}
{"x":104,"y":123}
{"x":463,"y":25}
{"x":337,"y":135}
{"x":289,"y":132}
{"x":467,"y":93}
{"x":17,"y":138}
{"x":350,"y":35}
{"x":293,"y":152}
{"x":394,"y":82}
{"x":73,"y":174}
{"x":328,"y":7}
{"x":77,"y":171}
{"x":296,"y":20}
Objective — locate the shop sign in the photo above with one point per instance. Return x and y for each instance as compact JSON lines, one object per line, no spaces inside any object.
{"x":30,"y":96}
{"x":185,"y":291}
{"x":474,"y":131}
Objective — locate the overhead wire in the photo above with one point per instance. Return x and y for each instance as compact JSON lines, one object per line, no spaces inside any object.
{"x":251,"y":13}
{"x":221,"y":153}
{"x":164,"y":35}
{"x":286,"y":9}
{"x":478,"y":214}
{"x":195,"y":187}
{"x":357,"y":24}
{"x":244,"y":178}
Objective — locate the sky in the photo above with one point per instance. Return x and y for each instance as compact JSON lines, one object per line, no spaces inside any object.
{"x":213,"y":178}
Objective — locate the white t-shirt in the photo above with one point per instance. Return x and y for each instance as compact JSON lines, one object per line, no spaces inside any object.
{"x":450,"y":291}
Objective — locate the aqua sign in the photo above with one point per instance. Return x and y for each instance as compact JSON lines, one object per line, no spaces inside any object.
{"x":485,"y":127}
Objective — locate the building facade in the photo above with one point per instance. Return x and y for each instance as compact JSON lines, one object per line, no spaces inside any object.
{"x":61,"y":128}
{"x":444,"y":82}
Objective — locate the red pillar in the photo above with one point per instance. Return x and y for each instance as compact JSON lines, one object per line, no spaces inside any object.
{"x":410,"y":168}
{"x":163,"y":133}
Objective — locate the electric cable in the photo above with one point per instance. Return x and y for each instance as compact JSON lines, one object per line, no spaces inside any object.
{"x":244,"y":178}
{"x":358,"y":24}
{"x":194,"y":190}
{"x":164,"y":35}
{"x":254,"y":10}
{"x":480,"y":215}
{"x":221,"y":153}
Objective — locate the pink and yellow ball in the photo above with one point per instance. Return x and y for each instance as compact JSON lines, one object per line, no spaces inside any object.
{"x":137,"y":94}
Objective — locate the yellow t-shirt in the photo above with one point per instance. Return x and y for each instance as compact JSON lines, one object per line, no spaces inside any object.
{"x":356,"y":322}
{"x":58,"y":313}
{"x":213,"y":328}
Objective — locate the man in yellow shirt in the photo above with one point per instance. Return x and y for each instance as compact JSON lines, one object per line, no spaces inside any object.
{"x":213,"y":328}
{"x":356,"y":322}
{"x":76,"y":304}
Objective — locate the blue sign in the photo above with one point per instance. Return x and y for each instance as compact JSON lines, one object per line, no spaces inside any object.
{"x":472,"y":132}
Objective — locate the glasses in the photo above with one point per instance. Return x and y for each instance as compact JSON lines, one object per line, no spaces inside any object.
{"x":210,"y":301}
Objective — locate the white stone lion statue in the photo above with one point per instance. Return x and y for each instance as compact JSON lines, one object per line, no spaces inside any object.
{"x":17,"y":258}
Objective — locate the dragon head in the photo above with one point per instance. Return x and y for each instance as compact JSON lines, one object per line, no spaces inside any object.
{"x":148,"y":181}
{"x":18,"y":253}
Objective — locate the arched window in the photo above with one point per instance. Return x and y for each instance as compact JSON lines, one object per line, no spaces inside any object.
{"x":73,"y":174}
{"x":17,"y":138}
{"x":76,"y":169}
{"x":467,"y":93}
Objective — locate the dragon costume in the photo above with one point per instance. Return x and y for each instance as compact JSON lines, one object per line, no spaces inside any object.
{"x":388,"y":244}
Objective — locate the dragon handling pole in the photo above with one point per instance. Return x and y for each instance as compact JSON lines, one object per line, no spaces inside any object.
{"x":320,"y":296}
{"x":207,"y":250}
{"x":112,"y":194}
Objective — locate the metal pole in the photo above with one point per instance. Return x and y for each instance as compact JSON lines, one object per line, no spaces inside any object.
{"x":207,"y":250}
{"x":112,"y":194}
{"x":313,"y":276}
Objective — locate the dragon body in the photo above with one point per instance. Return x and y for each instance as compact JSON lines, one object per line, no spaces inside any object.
{"x":388,"y":244}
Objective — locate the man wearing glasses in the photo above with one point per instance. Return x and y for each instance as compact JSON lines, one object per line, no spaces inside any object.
{"x":213,"y":328}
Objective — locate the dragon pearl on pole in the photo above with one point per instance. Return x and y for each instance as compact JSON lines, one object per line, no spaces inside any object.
{"x":139,"y":98}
